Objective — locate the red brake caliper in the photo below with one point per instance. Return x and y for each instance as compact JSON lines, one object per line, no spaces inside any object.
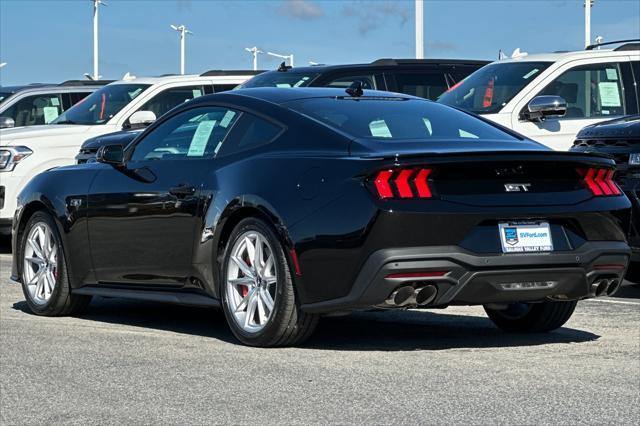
{"x":245,"y":289}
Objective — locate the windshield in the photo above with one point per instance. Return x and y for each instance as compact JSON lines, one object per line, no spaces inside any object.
{"x":490,"y":88}
{"x":100,"y":106}
{"x":280,"y":79}
{"x":4,"y":95}
{"x":390,"y":119}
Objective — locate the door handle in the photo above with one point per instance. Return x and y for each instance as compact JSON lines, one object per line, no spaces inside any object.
{"x":182,"y":190}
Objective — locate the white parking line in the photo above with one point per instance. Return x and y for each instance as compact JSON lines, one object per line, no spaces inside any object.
{"x":619,"y":302}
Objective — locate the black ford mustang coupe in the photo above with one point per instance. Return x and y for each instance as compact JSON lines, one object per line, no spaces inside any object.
{"x":281,"y":205}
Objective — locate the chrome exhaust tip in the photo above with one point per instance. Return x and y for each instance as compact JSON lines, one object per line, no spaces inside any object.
{"x":425,"y":295}
{"x":599,"y":287}
{"x":400,"y":297}
{"x":614,"y":285}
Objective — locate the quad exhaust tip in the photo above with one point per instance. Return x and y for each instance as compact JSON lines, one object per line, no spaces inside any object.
{"x":605,"y":287}
{"x":409,"y":296}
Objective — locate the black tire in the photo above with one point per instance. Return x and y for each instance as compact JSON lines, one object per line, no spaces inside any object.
{"x":532,"y":317}
{"x":62,"y":301}
{"x":288,"y":325}
{"x":633,"y":273}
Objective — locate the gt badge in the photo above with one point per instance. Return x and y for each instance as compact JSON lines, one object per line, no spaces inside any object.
{"x":517,"y":187}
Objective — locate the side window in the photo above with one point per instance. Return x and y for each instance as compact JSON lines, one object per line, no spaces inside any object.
{"x":368,"y":81}
{"x":425,"y":85}
{"x":36,"y":109}
{"x":250,"y":132}
{"x":217,"y":88}
{"x":593,"y":90}
{"x":78,"y":96}
{"x":170,"y":98}
{"x":193,"y":134}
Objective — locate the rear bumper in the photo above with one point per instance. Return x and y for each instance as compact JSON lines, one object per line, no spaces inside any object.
{"x":471,"y":279}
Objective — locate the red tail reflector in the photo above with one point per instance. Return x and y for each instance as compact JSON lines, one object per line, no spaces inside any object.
{"x":424,"y":274}
{"x":382,"y":184}
{"x":402,"y":183}
{"x":600,"y":182}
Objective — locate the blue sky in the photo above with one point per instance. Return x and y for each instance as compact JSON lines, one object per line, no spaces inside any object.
{"x":51,"y":40}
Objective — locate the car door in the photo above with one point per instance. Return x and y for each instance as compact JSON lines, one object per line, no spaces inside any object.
{"x":35,"y":109}
{"x":593,"y":91}
{"x":143,"y":216}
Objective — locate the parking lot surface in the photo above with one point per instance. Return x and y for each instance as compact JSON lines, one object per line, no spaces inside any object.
{"x":139,"y":362}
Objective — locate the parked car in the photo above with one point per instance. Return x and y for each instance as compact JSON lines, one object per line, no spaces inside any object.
{"x":122,"y":105}
{"x":550,"y":97}
{"x":35,"y":104}
{"x":620,"y":139}
{"x":427,"y":78}
{"x":284,"y":204}
{"x":90,"y":147}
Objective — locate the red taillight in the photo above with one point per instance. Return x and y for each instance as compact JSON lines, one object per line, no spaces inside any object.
{"x":600,"y":182}
{"x":403,"y":183}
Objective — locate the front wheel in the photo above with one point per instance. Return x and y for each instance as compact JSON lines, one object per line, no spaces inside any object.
{"x":532,"y":317}
{"x":258,"y":297}
{"x":45,"y":283}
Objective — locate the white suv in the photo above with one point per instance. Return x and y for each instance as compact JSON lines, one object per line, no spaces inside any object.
{"x":125,"y":104}
{"x":550,"y":97}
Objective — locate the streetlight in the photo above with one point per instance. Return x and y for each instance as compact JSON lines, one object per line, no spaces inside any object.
{"x":419,"y":29}
{"x":285,"y":57}
{"x":254,"y":51}
{"x":588,"y":4}
{"x":182,"y":30}
{"x":96,"y":5}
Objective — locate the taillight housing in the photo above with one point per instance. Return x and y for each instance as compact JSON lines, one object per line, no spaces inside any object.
{"x":403,"y":183}
{"x":600,"y":181}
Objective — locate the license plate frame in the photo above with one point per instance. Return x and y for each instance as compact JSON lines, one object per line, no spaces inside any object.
{"x":525,"y":237}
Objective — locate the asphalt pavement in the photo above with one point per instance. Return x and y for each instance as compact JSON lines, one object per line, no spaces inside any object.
{"x":130,"y":362}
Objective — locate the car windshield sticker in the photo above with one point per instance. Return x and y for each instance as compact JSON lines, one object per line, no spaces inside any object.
{"x":196,"y":93}
{"x":379,"y":129}
{"x":50,"y":114}
{"x":302,"y":81}
{"x":530,"y":73}
{"x":427,"y":123}
{"x":201,"y":138}
{"x":228,"y":116}
{"x":609,"y":94}
{"x":55,"y":101}
{"x":612,"y":74}
{"x":465,"y":134}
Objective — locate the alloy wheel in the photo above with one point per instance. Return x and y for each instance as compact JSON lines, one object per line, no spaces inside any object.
{"x":251,"y":281}
{"x":40,"y":265}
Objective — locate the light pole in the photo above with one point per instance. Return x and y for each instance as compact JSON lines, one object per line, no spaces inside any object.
{"x":285,"y":57}
{"x":254,"y":51}
{"x":588,"y":4}
{"x":182,"y":30}
{"x":96,"y":5}
{"x":419,"y":29}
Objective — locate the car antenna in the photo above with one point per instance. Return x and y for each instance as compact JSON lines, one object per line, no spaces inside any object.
{"x":355,"y":89}
{"x":284,"y":67}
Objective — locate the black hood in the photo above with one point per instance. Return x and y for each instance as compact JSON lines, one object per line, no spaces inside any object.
{"x":620,"y":128}
{"x":118,"y":138}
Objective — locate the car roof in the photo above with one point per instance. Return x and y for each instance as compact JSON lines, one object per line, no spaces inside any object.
{"x":168,"y":78}
{"x":66,"y":84}
{"x":280,"y":95}
{"x":386,"y":63}
{"x":562,"y":56}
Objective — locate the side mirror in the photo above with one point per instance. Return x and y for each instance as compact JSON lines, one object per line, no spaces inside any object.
{"x":141,"y":119}
{"x":542,"y":107}
{"x":110,"y":154}
{"x":7,"y":123}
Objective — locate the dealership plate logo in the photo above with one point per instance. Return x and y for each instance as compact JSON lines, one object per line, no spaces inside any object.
{"x":511,"y":236}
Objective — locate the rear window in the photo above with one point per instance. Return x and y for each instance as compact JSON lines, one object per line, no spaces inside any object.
{"x":390,"y":119}
{"x":280,"y":79}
